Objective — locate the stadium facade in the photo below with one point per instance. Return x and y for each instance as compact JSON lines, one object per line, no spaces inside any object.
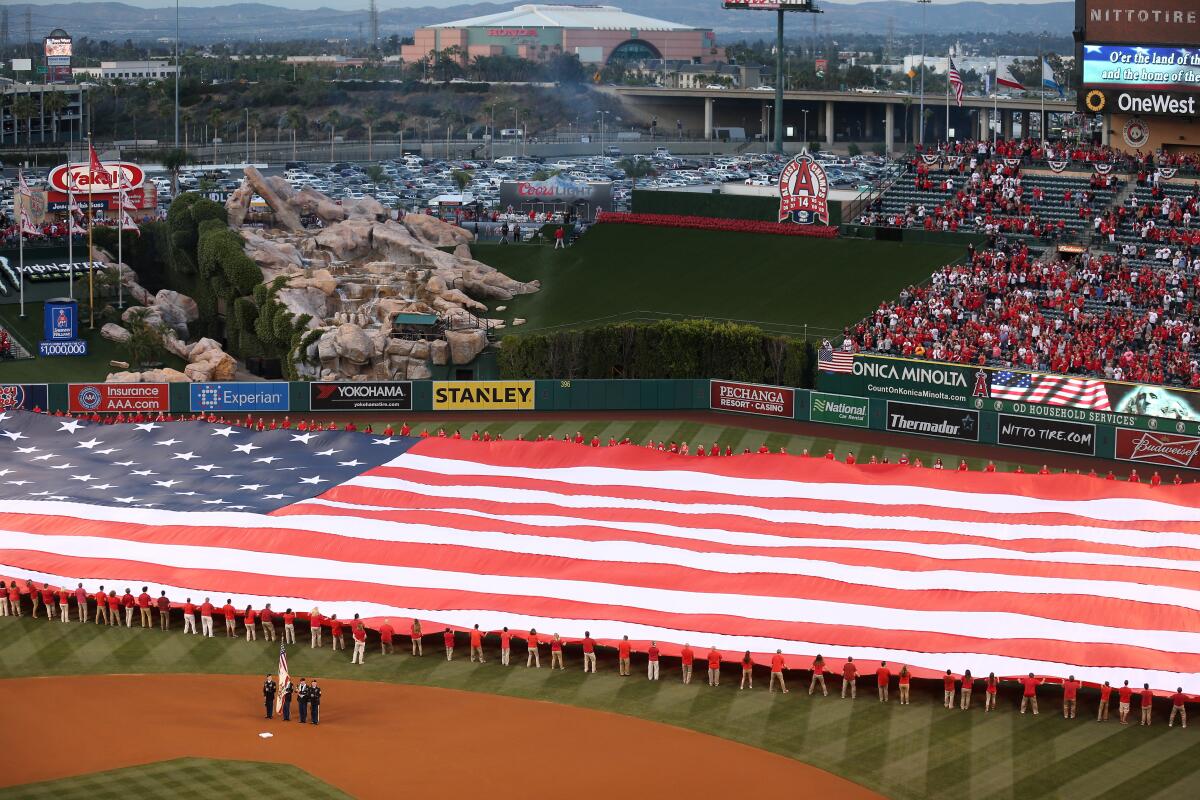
{"x":597,"y":34}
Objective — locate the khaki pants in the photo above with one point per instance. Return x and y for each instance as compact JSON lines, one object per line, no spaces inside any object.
{"x":1123,"y":711}
{"x":4,"y":605}
{"x":747,"y":677}
{"x":883,"y":694}
{"x":64,"y":610}
{"x":15,"y":607}
{"x":818,"y":678}
{"x":417,"y":650}
{"x":533,"y":658}
{"x":251,"y":633}
{"x":989,"y":701}
{"x":230,"y":628}
{"x":268,"y":630}
{"x":622,"y":666}
{"x":128,"y":616}
{"x":948,"y":698}
{"x":147,"y":619}
{"x":555,"y":658}
{"x":385,"y":647}
{"x":206,"y":628}
{"x":114,"y":617}
{"x":339,"y":643}
{"x":1068,"y":709}
{"x":477,"y":651}
{"x":965,"y":700}
{"x":33,"y":598}
{"x":778,"y":676}
{"x":714,"y":677}
{"x":1146,"y":709}
{"x":101,"y":614}
{"x":589,"y":663}
{"x":687,"y":673}
{"x":1032,"y":702}
{"x":449,"y":653}
{"x":505,"y":654}
{"x":189,"y":623}
{"x":360,"y":651}
{"x":652,"y":670}
{"x":904,"y":694}
{"x":314,"y":635}
{"x":851,"y":687}
{"x":164,"y":619}
{"x":1182,"y":712}
{"x":1102,"y":713}
{"x":289,"y":633}
{"x":81,"y":609}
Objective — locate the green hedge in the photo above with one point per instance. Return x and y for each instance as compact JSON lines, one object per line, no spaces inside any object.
{"x":148,"y":253}
{"x":666,"y":349}
{"x":708,"y":204}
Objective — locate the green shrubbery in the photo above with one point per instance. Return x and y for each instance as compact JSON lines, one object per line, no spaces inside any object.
{"x":666,"y":349}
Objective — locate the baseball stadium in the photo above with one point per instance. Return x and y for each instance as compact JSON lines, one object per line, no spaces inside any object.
{"x":662,"y":488}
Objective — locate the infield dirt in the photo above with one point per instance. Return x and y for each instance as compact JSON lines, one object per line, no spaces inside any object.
{"x":378,"y":740}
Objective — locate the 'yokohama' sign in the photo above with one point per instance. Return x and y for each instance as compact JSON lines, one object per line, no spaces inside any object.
{"x":1150,"y":447}
{"x":84,"y":179}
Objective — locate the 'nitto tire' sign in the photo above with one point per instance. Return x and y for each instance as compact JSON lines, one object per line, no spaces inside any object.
{"x":1077,"y":438}
{"x":752,"y":398}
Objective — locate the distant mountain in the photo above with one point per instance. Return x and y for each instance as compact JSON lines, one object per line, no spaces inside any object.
{"x":248,"y":21}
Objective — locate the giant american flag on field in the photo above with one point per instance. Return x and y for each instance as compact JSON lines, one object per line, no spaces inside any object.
{"x":936,"y":569}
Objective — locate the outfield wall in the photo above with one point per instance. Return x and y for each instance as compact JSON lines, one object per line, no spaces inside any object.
{"x":841,"y":400}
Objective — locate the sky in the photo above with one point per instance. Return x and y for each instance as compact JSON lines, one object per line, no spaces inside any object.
{"x":386,"y":4}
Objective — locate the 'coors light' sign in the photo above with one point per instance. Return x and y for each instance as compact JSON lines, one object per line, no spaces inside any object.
{"x":804,"y":191}
{"x":84,"y":179}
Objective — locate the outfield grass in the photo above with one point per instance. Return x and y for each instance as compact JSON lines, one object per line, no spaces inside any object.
{"x":185,"y":779}
{"x":92,"y":367}
{"x":773,"y":280}
{"x":916,"y":751}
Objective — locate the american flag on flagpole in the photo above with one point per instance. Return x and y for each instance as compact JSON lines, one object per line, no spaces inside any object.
{"x":956,"y":82}
{"x":283,"y":677}
{"x":1054,"y":390}
{"x":830,"y":360}
{"x":938,"y":570}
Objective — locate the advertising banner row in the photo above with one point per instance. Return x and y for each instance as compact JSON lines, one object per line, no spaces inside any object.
{"x":1063,"y":397}
{"x":1009,"y":425}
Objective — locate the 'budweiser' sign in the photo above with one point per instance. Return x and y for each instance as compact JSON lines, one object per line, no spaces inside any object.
{"x":82,"y":178}
{"x":1150,"y":447}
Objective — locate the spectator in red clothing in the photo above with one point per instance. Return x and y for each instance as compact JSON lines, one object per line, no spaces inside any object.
{"x":1070,"y":690}
{"x":533,"y":658}
{"x":114,"y":608}
{"x":747,"y":670}
{"x":64,"y":604}
{"x":1178,"y":708}
{"x":316,"y":631}
{"x":448,"y":643}
{"x":415,"y":634}
{"x":359,"y":632}
{"x":883,"y":677}
{"x":1029,"y":692}
{"x":289,"y":626}
{"x":101,"y":598}
{"x":849,"y":678}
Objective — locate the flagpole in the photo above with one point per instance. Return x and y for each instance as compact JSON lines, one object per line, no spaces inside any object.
{"x":996,"y":104}
{"x":1042,"y":93}
{"x":947,"y":99}
{"x":91,"y":256}
{"x":70,"y":229}
{"x":21,"y":217}
{"x":120,"y":232}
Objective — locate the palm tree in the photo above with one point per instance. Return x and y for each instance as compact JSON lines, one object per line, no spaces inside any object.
{"x":23,"y":108}
{"x":636,"y":168}
{"x":370,"y":117}
{"x":173,"y":161}
{"x":215,"y":117}
{"x":254,"y":123}
{"x":333,"y":119}
{"x":295,"y":121}
{"x":55,"y":103}
{"x":462,"y":179}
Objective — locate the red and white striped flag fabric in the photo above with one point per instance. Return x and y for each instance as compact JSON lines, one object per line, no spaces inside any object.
{"x":284,"y":677}
{"x":956,"y":82}
{"x":938,"y":570}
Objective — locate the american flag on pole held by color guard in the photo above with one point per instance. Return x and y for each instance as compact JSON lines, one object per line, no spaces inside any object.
{"x":1053,"y":390}
{"x":830,"y":360}
{"x":283,"y":676}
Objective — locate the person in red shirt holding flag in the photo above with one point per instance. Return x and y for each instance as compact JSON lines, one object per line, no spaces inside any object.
{"x":968,"y":686}
{"x":101,"y":598}
{"x":747,"y":670}
{"x":505,"y":647}
{"x":359,"y":632}
{"x":1178,"y":708}
{"x":686,"y":659}
{"x":289,"y":626}
{"x":266,"y":618}
{"x":164,"y":610}
{"x":128,"y":601}
{"x":904,"y":679}
{"x":818,"y":676}
{"x":777,"y":672}
{"x":532,"y":657}
{"x":714,"y":666}
{"x":652,"y":662}
{"x":335,"y":633}
{"x":316,"y":633}
{"x":849,"y":678}
{"x":45,"y":596}
{"x":448,"y":643}
{"x":248,"y":619}
{"x":1105,"y":695}
{"x":230,"y":614}
{"x":989,"y":692}
{"x":64,"y":604}
{"x":189,"y":617}
{"x":1147,"y":704}
{"x":414,"y":632}
{"x":1123,"y":696}
{"x":206,"y":623}
{"x":623,"y":656}
{"x":114,"y":608}
{"x":143,"y":602}
{"x":883,"y":677}
{"x":1029,"y":695}
{"x":386,"y":632}
{"x":1070,"y":692}
{"x":476,"y":644}
{"x":589,"y":653}
{"x":948,"y":690}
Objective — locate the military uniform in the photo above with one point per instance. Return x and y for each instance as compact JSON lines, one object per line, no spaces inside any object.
{"x":314,"y":702}
{"x":287,"y":701}
{"x":302,"y":701}
{"x":269,"y":688}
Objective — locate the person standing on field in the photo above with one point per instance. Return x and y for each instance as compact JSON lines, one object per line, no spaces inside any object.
{"x":335,"y":633}
{"x":81,"y":601}
{"x":777,"y":672}
{"x":230,"y":614}
{"x":289,"y":626}
{"x":1029,"y":695}
{"x":968,"y":686}
{"x":849,"y":678}
{"x":286,"y":706}
{"x":248,"y":621}
{"x":101,"y":598}
{"x":1147,"y":704}
{"x":989,"y":693}
{"x":589,"y":653}
{"x":1105,"y":695}
{"x":623,"y":648}
{"x":714,"y":666}
{"x":64,"y":604}
{"x":269,"y":688}
{"x":315,"y":631}
{"x":114,"y":609}
{"x":189,"y":617}
{"x":556,"y":652}
{"x":128,"y":602}
{"x":477,"y":645}
{"x":302,"y":700}
{"x":883,"y":677}
{"x":686,"y":659}
{"x":1178,"y":708}
{"x":747,"y":670}
{"x":904,"y":682}
{"x":164,"y":611}
{"x":505,"y":647}
{"x":4,"y":598}
{"x":448,"y":642}
{"x":532,"y":657}
{"x":948,"y":690}
{"x":415,"y":633}
{"x":359,"y":632}
{"x":1123,"y":696}
{"x":652,"y":662}
{"x":818,"y":676}
{"x":386,"y":632}
{"x":267,"y":618}
{"x":1070,"y":691}
{"x":143,"y":602}
{"x":206,"y":623}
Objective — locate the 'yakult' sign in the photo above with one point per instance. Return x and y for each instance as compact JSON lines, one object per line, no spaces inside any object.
{"x":83,"y":179}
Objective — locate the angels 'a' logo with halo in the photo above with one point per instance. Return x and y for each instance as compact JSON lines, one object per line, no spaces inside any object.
{"x":804,"y":191}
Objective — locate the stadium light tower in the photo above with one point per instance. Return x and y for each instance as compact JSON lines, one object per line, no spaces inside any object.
{"x":779,"y":7}
{"x":921,"y":115}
